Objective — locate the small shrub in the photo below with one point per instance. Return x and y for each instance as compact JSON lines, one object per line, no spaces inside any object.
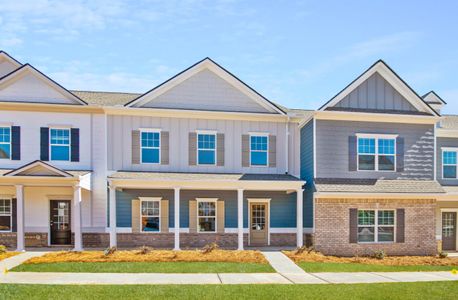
{"x":144,"y":250}
{"x":109,"y":251}
{"x":209,"y":248}
{"x":304,"y":249}
{"x":2,"y":249}
{"x":443,"y":254}
{"x":379,"y":254}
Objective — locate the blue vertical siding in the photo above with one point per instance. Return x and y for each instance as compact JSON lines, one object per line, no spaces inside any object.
{"x":306,"y":155}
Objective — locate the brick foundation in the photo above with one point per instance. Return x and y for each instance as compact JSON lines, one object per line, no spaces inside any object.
{"x":332,"y":227}
{"x":32,"y":239}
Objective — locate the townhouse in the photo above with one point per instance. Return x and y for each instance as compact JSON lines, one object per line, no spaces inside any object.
{"x":205,"y":158}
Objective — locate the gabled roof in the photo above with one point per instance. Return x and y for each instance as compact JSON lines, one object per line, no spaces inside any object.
{"x":433,"y":95}
{"x":393,"y":79}
{"x":6,"y":56}
{"x":38,"y":168}
{"x":9,"y":79}
{"x":206,"y":63}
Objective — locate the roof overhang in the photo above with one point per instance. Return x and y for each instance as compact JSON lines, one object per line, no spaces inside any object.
{"x":337,"y":195}
{"x":376,"y":117}
{"x":451,"y":133}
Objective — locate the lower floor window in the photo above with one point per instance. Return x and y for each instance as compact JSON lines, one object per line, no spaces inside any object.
{"x":375,"y":226}
{"x":150,"y":215}
{"x":5,"y":215}
{"x":206,"y":216}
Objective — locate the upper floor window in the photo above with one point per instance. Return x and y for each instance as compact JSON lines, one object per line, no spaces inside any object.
{"x":206,"y":148}
{"x":206,"y":216}
{"x":375,"y":226}
{"x":5,"y":142}
{"x":376,"y":153}
{"x":259,"y":150}
{"x":150,"y":146}
{"x":150,"y":215}
{"x":5,"y":215}
{"x":449,"y":163}
{"x":59,"y":144}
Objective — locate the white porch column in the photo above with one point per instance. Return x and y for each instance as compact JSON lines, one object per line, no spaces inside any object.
{"x":176,"y":198}
{"x":240,"y":218}
{"x":20,"y":218}
{"x":299,"y":218}
{"x":77,"y":218}
{"x":113,"y":240}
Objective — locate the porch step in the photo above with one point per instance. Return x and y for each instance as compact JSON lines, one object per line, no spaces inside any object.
{"x":281,"y":263}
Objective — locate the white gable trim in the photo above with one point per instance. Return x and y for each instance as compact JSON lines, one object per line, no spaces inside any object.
{"x":27,"y":68}
{"x":207,"y":63}
{"x":433,"y":95}
{"x":392,"y":78}
{"x":36,"y":164}
{"x":6,"y":57}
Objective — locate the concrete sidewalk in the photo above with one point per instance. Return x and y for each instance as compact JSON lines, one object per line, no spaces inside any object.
{"x":16,"y":260}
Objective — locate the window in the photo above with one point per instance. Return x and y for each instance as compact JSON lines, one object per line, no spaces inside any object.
{"x":60,"y":144}
{"x":5,"y":142}
{"x":376,"y":153}
{"x":375,"y":226}
{"x":150,"y":147}
{"x":449,"y":164}
{"x":206,"y":149}
{"x":5,"y":215}
{"x":206,"y":216}
{"x":150,"y":215}
{"x":258,"y":150}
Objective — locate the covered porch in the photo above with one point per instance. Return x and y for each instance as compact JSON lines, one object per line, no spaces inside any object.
{"x":41,"y":206}
{"x":185,"y":210}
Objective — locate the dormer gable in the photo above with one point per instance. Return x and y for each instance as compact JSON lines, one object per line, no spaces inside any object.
{"x":206,"y":86}
{"x":379,"y":90}
{"x":433,"y":99}
{"x":7,"y":64}
{"x":27,"y":84}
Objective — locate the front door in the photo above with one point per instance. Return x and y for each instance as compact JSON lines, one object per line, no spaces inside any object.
{"x":259,"y":222}
{"x":60,"y":222}
{"x":449,"y":231}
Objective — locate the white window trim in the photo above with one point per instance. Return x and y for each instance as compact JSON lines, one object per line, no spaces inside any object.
{"x":376,"y":226}
{"x":11,"y":140}
{"x":376,"y":154}
{"x":69,"y":143}
{"x":200,"y":200}
{"x":150,"y":199}
{"x":153,"y":130}
{"x":10,"y":215}
{"x":448,"y":149}
{"x":206,"y":132}
{"x":262,"y":134}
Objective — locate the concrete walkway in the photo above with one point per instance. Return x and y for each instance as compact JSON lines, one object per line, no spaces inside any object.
{"x":16,"y":260}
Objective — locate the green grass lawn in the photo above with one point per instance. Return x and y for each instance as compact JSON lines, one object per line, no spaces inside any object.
{"x":315,"y":267}
{"x":420,"y":290}
{"x":147,"y":267}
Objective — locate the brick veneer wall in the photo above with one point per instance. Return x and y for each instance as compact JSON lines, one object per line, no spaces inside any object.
{"x":332,"y":226}
{"x":32,"y":239}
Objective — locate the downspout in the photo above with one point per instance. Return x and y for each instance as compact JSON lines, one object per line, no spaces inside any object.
{"x":287,"y":145}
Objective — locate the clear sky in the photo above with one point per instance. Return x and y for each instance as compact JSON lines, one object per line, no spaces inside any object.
{"x":297,"y":53}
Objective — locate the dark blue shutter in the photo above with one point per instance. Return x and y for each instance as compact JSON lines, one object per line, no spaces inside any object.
{"x":14,"y":214}
{"x":75,"y":142}
{"x":16,"y":143}
{"x":352,"y":153}
{"x":400,"y":154}
{"x":44,"y":143}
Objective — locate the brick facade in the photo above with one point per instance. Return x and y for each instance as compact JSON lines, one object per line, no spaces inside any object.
{"x":32,"y":239}
{"x":332,"y":228}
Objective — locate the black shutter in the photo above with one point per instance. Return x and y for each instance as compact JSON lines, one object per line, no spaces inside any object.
{"x":75,"y":142}
{"x":44,"y":143}
{"x":353,"y":225}
{"x":14,"y":214}
{"x":352,"y":153}
{"x":16,"y":143}
{"x":400,"y":225}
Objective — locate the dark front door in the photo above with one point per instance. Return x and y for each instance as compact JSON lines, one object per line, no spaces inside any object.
{"x":449,"y":231}
{"x":60,"y":222}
